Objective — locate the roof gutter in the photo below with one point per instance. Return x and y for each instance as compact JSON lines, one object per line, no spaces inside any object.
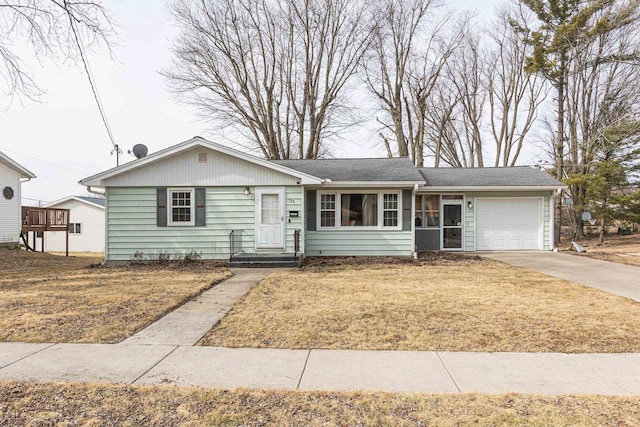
{"x":94,"y":192}
{"x":427,"y":188}
{"x":329,"y":183}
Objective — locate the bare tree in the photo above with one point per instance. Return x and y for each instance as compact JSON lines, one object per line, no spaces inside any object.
{"x":443,"y":133}
{"x":603,"y":109}
{"x":514,"y":95}
{"x":275,"y":71}
{"x":51,"y":29}
{"x":425,"y":72}
{"x":466,"y":74}
{"x":483,"y":93}
{"x":456,"y":109}
{"x":397,"y":32}
{"x":409,"y":53}
{"x":561,"y":28}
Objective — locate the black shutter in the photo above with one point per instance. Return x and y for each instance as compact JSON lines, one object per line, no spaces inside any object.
{"x":311,"y":210}
{"x":161,"y":207}
{"x":407,"y":195}
{"x":201,"y":212}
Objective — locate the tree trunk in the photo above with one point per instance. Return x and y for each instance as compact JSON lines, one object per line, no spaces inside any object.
{"x":579,"y":233}
{"x":602,"y":230}
{"x":560,"y":150}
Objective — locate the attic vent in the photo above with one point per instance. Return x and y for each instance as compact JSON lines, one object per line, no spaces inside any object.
{"x":202,"y":157}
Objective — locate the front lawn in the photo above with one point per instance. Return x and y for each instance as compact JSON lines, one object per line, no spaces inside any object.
{"x":52,"y":298}
{"x":620,"y":249}
{"x":96,"y":405}
{"x":472,"y":305}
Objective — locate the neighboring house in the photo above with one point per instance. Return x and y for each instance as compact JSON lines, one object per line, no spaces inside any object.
{"x":192,"y":196}
{"x":86,"y":225}
{"x":11,"y":177}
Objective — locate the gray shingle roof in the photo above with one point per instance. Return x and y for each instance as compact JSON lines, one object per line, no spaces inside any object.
{"x":358,"y":170}
{"x":94,"y":200}
{"x":517,"y":176}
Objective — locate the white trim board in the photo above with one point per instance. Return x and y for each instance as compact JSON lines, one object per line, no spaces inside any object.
{"x":98,"y":179}
{"x":76,"y":198}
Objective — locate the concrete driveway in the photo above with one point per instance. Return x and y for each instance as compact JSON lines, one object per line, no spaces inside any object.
{"x":618,"y":279}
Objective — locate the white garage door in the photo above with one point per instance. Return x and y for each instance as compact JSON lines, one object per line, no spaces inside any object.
{"x":508,"y":224}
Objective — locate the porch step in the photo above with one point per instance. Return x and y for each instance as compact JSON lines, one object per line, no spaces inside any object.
{"x":265,"y":261}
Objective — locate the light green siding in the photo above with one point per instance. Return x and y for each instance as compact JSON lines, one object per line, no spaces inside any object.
{"x":131,"y":223}
{"x":469,"y":219}
{"x":365,"y":242}
{"x":294,"y":201}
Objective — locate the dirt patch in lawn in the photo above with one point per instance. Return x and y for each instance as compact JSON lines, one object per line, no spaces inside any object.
{"x":620,"y":249}
{"x":365,"y":262}
{"x":96,"y":405}
{"x":51,"y":298}
{"x":476,"y":306}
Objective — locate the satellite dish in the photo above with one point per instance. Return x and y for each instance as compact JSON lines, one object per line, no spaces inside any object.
{"x":586,"y":216}
{"x":140,"y":150}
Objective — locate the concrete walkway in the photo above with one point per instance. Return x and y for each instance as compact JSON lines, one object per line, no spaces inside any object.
{"x":330,"y":370}
{"x":163,"y":353}
{"x":191,"y":321}
{"x":618,"y":279}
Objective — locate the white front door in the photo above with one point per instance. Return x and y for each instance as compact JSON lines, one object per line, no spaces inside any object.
{"x":270,"y":218}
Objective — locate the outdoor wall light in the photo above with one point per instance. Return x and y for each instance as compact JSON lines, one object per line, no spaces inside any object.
{"x":247,"y":191}
{"x":470,"y":205}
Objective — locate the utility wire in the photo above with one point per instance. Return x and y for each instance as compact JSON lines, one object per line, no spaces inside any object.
{"x":94,"y":88}
{"x":57,"y":165}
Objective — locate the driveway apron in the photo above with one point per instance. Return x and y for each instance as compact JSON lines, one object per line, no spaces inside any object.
{"x":618,"y":279}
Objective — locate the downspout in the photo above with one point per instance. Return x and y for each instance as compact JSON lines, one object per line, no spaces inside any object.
{"x":413,"y":223}
{"x":552,"y":219}
{"x":106,"y":226}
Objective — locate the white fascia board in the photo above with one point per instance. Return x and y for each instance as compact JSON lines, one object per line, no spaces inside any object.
{"x":432,"y":189}
{"x":24,"y":172}
{"x":66,"y":199}
{"x":98,"y":179}
{"x":376,"y":184}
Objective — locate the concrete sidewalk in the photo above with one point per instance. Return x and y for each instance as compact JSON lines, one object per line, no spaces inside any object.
{"x":618,"y":279}
{"x":329,"y":370}
{"x":191,"y":321}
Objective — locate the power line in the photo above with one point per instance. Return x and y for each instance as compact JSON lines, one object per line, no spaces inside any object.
{"x":40,"y":202}
{"x":57,"y":165}
{"x":94,"y":87}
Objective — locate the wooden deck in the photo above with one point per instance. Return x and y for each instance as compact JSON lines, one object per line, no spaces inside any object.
{"x":41,"y":220}
{"x":44,"y":219}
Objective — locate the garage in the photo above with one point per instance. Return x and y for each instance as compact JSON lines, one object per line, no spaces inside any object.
{"x":508,"y":223}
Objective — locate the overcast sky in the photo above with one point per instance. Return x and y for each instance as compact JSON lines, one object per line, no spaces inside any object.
{"x":62,"y":138}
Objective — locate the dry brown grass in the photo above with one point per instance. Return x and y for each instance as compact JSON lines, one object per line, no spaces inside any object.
{"x":620,"y":249}
{"x":51,"y":298}
{"x":96,"y":405}
{"x":474,"y":306}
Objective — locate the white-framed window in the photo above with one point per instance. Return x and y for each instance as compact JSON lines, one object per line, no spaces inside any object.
{"x":327,"y":210}
{"x":75,"y":228}
{"x":181,"y":202}
{"x":390,"y":214}
{"x":361,"y":210}
{"x":427,"y":213}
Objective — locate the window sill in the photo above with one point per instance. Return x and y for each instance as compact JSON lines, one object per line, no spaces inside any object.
{"x":347,"y":228}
